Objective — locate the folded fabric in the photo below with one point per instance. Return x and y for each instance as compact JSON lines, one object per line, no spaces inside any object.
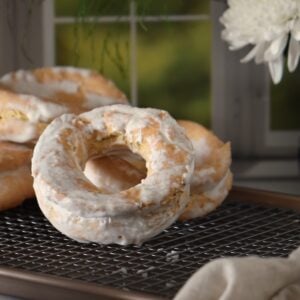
{"x":246,"y":278}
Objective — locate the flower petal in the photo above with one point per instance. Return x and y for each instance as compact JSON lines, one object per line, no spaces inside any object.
{"x":276,"y":48}
{"x":293,"y":54}
{"x":250,"y":55}
{"x":276,"y":69}
{"x":296,"y":30}
{"x":263,"y":46}
{"x":234,"y":42}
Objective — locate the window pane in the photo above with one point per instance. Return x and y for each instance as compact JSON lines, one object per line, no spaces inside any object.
{"x":91,"y":7}
{"x":174,"y":69}
{"x":173,"y":7}
{"x":103,"y":47}
{"x":285,"y":104}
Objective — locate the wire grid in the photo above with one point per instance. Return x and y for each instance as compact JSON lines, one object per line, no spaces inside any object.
{"x":160,"y":266}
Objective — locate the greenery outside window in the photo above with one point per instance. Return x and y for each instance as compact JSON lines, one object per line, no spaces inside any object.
{"x":159,"y":54}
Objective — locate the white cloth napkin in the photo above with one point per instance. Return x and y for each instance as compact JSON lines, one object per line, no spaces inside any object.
{"x":245,"y":278}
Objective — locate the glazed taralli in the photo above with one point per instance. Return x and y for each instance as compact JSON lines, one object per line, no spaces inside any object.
{"x":83,"y":212}
{"x":29,"y":101}
{"x":212,"y":178}
{"x":77,"y":89}
{"x":24,"y":117}
{"x":210,"y":183}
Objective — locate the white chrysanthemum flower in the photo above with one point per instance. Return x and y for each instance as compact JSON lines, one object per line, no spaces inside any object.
{"x":269,"y":25}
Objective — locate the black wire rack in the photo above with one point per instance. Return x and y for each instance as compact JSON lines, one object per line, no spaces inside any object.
{"x":160,"y":266}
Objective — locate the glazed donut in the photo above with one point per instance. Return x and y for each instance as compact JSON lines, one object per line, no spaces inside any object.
{"x":212,"y":178}
{"x":24,"y":117}
{"x":210,"y":182}
{"x":78,"y":89}
{"x":15,"y":179}
{"x":212,"y":156}
{"x":204,"y":203}
{"x":82,"y":211}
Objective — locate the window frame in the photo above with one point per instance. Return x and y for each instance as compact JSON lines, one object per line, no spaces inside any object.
{"x":133,"y":19}
{"x":28,"y":35}
{"x":240,"y":113}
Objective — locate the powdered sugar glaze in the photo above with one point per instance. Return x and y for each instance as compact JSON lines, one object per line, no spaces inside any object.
{"x":23,"y":115}
{"x":78,"y":89}
{"x":79,"y":209}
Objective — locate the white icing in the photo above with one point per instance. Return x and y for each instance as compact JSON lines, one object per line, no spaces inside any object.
{"x":202,"y":150}
{"x":214,"y":197}
{"x":202,"y":176}
{"x":220,"y":189}
{"x":25,"y":82}
{"x":78,"y":212}
{"x":172,"y":256}
{"x":93,"y":100}
{"x":69,"y":69}
{"x":171,"y":284}
{"x":16,"y":186}
{"x":33,"y":87}
{"x":203,"y":182}
{"x":25,"y":132}
{"x":36,"y":111}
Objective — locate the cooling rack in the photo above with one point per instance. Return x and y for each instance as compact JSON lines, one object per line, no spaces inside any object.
{"x":34,"y":257}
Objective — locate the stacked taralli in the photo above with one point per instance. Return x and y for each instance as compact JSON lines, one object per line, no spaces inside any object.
{"x":29,"y":101}
{"x":103,"y":171}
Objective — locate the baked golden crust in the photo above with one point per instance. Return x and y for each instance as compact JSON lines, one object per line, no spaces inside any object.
{"x":13,"y":156}
{"x":212,"y":178}
{"x":15,"y":176}
{"x":211,"y":155}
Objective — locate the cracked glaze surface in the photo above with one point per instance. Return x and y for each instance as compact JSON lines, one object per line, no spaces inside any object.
{"x":82,"y":211}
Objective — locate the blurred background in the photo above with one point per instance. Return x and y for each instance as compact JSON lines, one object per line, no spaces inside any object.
{"x":172,"y":57}
{"x":169,"y":54}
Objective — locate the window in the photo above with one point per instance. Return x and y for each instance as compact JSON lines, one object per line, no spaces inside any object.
{"x":158,"y":54}
{"x":244,"y":107}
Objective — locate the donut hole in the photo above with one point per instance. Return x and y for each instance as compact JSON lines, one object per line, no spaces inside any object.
{"x":116,"y":171}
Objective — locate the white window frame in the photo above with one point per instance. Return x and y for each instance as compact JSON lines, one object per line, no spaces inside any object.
{"x":240,"y":112}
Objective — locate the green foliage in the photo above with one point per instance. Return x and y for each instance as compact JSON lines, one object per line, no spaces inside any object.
{"x":174,"y":69}
{"x":173,"y":58}
{"x":106,"y":50}
{"x":121,"y":7}
{"x":84,"y":8}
